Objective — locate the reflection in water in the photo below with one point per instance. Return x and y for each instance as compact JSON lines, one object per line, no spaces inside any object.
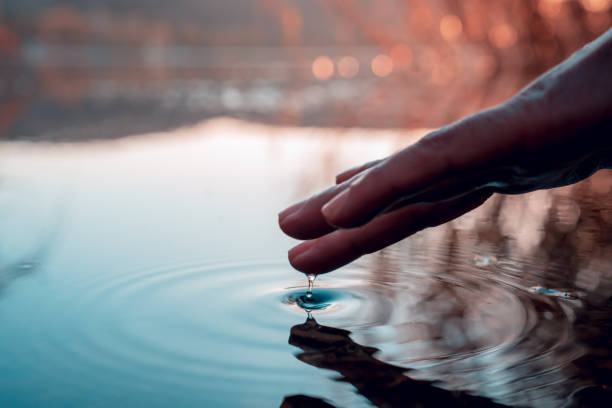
{"x":509,"y":304}
{"x":383,"y":384}
{"x":304,"y":401}
{"x":504,"y":324}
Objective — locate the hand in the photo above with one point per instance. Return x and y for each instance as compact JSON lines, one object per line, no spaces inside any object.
{"x":555,"y":132}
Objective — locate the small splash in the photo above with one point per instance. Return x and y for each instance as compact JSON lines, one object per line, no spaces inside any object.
{"x":309,"y":301}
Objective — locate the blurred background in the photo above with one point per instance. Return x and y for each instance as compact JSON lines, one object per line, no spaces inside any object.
{"x":85,"y":69}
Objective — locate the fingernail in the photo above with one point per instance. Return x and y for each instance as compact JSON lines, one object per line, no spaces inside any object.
{"x":343,"y":175}
{"x":301,"y":251}
{"x":289,"y":211}
{"x":334,"y":207}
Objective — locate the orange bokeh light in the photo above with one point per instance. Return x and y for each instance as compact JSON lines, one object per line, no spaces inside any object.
{"x":382,"y":65}
{"x":596,"y":6}
{"x":503,"y":35}
{"x":348,"y":67}
{"x":323,"y":67}
{"x":451,"y":27}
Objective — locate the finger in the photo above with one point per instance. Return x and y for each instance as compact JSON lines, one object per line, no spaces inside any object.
{"x":464,"y":149}
{"x":340,"y":247}
{"x":345,"y":175}
{"x":458,"y":185}
{"x":304,"y":219}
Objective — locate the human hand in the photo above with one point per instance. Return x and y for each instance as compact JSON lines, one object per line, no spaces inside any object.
{"x":555,"y":132}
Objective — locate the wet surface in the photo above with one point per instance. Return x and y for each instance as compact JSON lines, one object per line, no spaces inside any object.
{"x":151,"y":271}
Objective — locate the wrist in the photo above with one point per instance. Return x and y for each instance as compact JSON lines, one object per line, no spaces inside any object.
{"x":574,"y":99}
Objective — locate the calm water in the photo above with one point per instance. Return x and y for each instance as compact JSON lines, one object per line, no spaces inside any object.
{"x":150,"y":271}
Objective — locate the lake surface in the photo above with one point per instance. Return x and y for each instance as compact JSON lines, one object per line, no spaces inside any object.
{"x":150,"y":271}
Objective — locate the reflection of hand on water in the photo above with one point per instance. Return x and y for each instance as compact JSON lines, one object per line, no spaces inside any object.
{"x":385,"y":385}
{"x":537,"y":360}
{"x":553,"y":133}
{"x":304,"y":401}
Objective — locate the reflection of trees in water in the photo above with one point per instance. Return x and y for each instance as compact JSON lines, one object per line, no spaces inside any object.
{"x":568,"y":232}
{"x":386,"y":385}
{"x":576,"y":235}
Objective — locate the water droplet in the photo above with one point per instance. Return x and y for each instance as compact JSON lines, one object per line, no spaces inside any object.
{"x":311,"y":279}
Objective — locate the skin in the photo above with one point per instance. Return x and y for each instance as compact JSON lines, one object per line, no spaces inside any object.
{"x":556,"y":131}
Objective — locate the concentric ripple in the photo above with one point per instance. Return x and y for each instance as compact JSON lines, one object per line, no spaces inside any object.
{"x":191,"y":332}
{"x":472,"y":329}
{"x":197,"y":327}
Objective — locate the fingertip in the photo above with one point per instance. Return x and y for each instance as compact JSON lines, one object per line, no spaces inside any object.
{"x":352,"y":172}
{"x":300,"y":254}
{"x":299,"y":226}
{"x":347,"y":174}
{"x":290,"y":210}
{"x":310,"y":258}
{"x":285,"y":224}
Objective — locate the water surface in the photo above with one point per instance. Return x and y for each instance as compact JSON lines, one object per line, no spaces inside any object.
{"x":150,"y":271}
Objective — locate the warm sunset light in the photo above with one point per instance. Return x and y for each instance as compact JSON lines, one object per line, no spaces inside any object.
{"x":442,"y":74}
{"x":450,"y":27}
{"x":401,"y":54}
{"x":485,"y":65}
{"x":503,"y":35}
{"x":550,"y":8}
{"x":323,"y":67}
{"x":382,"y":65}
{"x":348,"y":67}
{"x":596,"y":6}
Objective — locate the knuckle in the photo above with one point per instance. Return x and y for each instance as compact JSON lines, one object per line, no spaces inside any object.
{"x":434,"y":149}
